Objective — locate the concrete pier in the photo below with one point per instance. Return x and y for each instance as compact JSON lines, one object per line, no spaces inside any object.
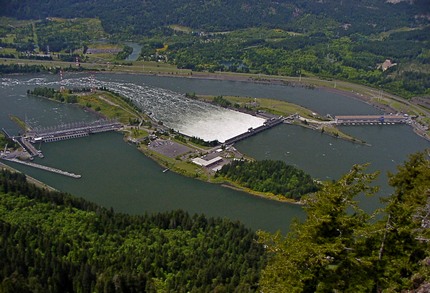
{"x":28,"y":146}
{"x":46,"y":168}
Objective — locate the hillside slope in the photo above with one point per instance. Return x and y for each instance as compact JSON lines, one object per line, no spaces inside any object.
{"x":52,"y":242}
{"x":139,"y":17}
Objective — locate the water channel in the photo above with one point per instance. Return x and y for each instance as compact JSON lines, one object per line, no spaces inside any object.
{"x":115,"y":174}
{"x":136,"y":51}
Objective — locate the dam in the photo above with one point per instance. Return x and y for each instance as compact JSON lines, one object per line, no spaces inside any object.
{"x":70,"y":131}
{"x":371,"y":119}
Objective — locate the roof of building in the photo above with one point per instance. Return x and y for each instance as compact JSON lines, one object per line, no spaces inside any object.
{"x":204,"y":163}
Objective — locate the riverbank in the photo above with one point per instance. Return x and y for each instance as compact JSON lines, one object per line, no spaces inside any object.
{"x":29,"y":178}
{"x":265,"y":195}
{"x":172,"y":169}
{"x":383,"y":101}
{"x":191,"y":170}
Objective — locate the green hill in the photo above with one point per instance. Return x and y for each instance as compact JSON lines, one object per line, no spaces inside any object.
{"x":139,"y":17}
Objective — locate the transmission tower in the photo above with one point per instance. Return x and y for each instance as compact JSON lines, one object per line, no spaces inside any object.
{"x":62,"y":88}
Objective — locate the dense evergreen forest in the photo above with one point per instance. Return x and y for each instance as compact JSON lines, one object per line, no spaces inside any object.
{"x":341,"y":248}
{"x":53,"y":242}
{"x":270,"y":176}
{"x":140,"y":17}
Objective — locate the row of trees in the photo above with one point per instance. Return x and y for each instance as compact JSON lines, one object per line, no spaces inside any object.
{"x":53,"y":242}
{"x":270,"y":176}
{"x":341,"y":248}
{"x":202,"y":142}
{"x":17,"y":68}
{"x":124,"y":53}
{"x":54,"y":94}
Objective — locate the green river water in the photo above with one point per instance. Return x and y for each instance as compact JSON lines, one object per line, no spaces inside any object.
{"x":115,"y":174}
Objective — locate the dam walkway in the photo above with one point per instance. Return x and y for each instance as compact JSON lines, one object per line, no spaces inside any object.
{"x":70,"y":131}
{"x":371,"y":119}
{"x":253,"y":131}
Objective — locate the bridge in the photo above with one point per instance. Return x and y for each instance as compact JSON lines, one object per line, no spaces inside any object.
{"x":371,"y":120}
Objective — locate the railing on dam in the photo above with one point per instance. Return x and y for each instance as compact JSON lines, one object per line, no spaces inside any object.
{"x":371,"y":119}
{"x":253,"y":131}
{"x":71,"y":131}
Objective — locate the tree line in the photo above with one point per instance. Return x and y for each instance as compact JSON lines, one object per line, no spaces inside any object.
{"x":345,"y":42}
{"x":269,"y":176}
{"x":135,"y":17}
{"x":54,"y":242}
{"x":54,"y":94}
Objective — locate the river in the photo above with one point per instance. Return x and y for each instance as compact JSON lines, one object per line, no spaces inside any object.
{"x":136,"y":51}
{"x":115,"y":174}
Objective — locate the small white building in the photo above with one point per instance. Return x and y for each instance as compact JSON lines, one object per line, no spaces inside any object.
{"x":204,"y":163}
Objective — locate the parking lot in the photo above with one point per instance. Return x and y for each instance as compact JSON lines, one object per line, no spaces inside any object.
{"x":168,"y":148}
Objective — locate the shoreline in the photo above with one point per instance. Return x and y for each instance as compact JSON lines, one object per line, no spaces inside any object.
{"x":225,"y":183}
{"x":28,"y":177}
{"x":280,"y":80}
{"x":240,"y":78}
{"x":361,"y":92}
{"x":262,"y":195}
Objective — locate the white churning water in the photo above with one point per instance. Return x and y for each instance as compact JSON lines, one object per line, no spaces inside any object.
{"x":190,"y":117}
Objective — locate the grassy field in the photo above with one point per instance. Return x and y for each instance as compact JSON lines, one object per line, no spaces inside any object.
{"x":273,"y":106}
{"x":109,"y":105}
{"x":19,"y":122}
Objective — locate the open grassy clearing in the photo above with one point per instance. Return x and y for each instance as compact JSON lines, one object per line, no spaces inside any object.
{"x":109,"y":106}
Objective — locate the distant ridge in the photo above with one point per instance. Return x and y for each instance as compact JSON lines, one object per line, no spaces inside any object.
{"x":140,"y":17}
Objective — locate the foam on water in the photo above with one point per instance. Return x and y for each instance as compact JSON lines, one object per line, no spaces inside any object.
{"x":190,"y":117}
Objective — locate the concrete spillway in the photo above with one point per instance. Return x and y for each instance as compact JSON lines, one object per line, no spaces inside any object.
{"x":46,"y":168}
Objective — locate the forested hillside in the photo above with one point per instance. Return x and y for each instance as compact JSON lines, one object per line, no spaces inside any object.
{"x":139,"y":17}
{"x":345,"y":40}
{"x":53,"y":242}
